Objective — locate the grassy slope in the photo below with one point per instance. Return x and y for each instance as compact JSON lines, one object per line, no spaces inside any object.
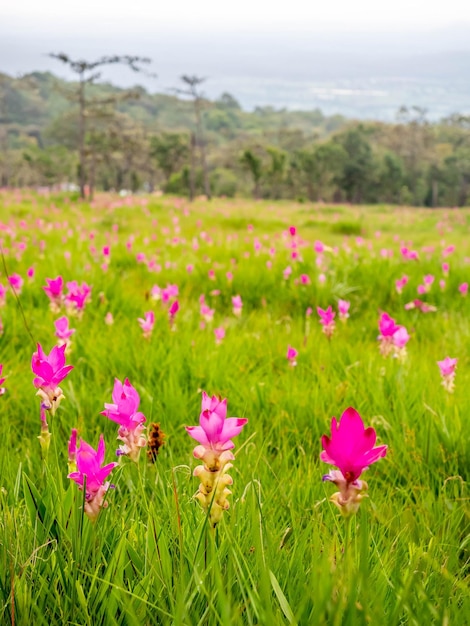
{"x":278,"y":554}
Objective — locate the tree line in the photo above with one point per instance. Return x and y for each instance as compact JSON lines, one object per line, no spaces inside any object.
{"x":96,"y":136}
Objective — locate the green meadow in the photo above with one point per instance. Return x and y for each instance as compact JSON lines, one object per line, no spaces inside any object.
{"x":283,"y":553}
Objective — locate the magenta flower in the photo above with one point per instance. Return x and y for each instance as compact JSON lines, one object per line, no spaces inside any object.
{"x":327,"y":320}
{"x":50,"y":371}
{"x":78,"y":296}
{"x":147,"y":323}
{"x":215,"y":432}
{"x":219,"y":335}
{"x":447,"y":368}
{"x":343,"y":309}
{"x":463,"y":288}
{"x":214,"y":435}
{"x":207,"y":313}
{"x":2,"y":380}
{"x":92,"y":472}
{"x":16,"y":282}
{"x":62,"y":330}
{"x":237,"y":305}
{"x":400,"y":283}
{"x":54,"y":291}
{"x":351,"y":449}
{"x":291,"y":356}
{"x":172,"y":311}
{"x":3,"y":295}
{"x":124,"y":411}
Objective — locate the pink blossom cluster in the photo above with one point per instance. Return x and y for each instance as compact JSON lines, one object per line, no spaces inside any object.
{"x":393,"y":337}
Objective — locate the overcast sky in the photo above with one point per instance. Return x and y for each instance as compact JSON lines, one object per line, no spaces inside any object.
{"x":243,"y":45}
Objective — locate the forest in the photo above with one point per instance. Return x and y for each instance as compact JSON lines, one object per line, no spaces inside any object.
{"x":87,"y":135}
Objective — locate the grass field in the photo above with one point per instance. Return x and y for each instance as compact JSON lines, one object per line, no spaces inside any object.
{"x":282,"y":553}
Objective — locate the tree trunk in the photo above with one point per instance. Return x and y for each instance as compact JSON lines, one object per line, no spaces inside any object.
{"x":192,"y":167}
{"x":202,"y":148}
{"x":81,"y":138}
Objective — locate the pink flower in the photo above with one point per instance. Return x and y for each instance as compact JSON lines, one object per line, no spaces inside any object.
{"x":54,"y":291}
{"x":305,"y":279}
{"x":109,"y":319}
{"x":410,"y":255}
{"x":319,"y":247}
{"x":219,"y":335}
{"x":401,"y":338}
{"x":292,"y":231}
{"x":62,"y":330}
{"x":351,"y":449}
{"x":78,"y":296}
{"x":30,"y":272}
{"x":448,"y":251}
{"x":207,"y":313}
{"x":50,"y":371}
{"x":215,"y":432}
{"x":147,"y":323}
{"x":92,"y":472}
{"x":447,"y":368}
{"x":237,"y":305}
{"x":3,"y":294}
{"x":327,"y":320}
{"x":445,"y":269}
{"x":428,"y":279}
{"x":387,"y":325}
{"x":16,"y":282}
{"x":124,"y":411}
{"x":393,"y":337}
{"x":463,"y":288}
{"x":421,"y":289}
{"x":287,"y":272}
{"x":2,"y":380}
{"x":343,"y":309}
{"x":173,"y":310}
{"x":291,"y":356}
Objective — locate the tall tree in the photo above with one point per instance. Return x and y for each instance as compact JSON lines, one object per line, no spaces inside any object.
{"x":192,"y":90}
{"x":87,"y":75}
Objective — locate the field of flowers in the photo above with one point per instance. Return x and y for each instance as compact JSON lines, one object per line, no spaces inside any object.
{"x":132,"y":330}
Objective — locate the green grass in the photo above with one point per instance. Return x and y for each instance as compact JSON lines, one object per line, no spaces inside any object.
{"x":282,"y":553}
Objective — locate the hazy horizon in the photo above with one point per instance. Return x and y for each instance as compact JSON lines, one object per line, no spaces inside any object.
{"x":357,"y":61}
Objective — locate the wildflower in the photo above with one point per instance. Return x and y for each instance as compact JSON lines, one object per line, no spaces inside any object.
{"x":109,"y":319}
{"x":54,"y":292}
{"x":77,"y":297}
{"x":424,"y":307}
{"x":463,"y":288}
{"x":305,"y":279}
{"x":287,"y":272}
{"x":327,"y":320}
{"x":219,"y":335}
{"x":447,"y":368}
{"x":351,"y":449}
{"x":400,"y":338}
{"x":124,"y":411}
{"x":45,"y":436}
{"x":291,"y":356}
{"x":16,"y":282}
{"x":147,"y":323}
{"x":214,"y":436}
{"x":92,"y":473}
{"x":62,"y":330}
{"x":50,"y":371}
{"x":237,"y":305}
{"x":207,"y":313}
{"x":2,"y":380}
{"x":343,"y":309}
{"x":172,"y":311}
{"x":387,"y":329}
{"x":445,"y":269}
{"x":3,"y":295}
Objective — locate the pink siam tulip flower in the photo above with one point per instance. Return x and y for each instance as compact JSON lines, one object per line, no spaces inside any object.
{"x":393,"y":337}
{"x":319,"y":247}
{"x":287,"y":272}
{"x":447,"y":368}
{"x":50,"y":371}
{"x":16,"y":282}
{"x":54,"y":292}
{"x":2,"y":380}
{"x":207,"y":313}
{"x":422,"y":289}
{"x":327,"y":320}
{"x":400,"y":339}
{"x":30,"y":272}
{"x":350,"y":448}
{"x":305,"y":279}
{"x":62,"y":330}
{"x":322,"y":278}
{"x":219,"y":335}
{"x":445,"y":269}
{"x":77,"y":297}
{"x":428,"y":279}
{"x":214,"y":436}
{"x":291,"y":356}
{"x":308,"y":312}
{"x":409,"y":255}
{"x":147,"y":323}
{"x":172,"y":311}
{"x":463,"y":289}
{"x":442,"y":284}
{"x":124,"y":411}
{"x":92,"y":473}
{"x":292,"y":231}
{"x":237,"y":305}
{"x":400,"y":283}
{"x":343,"y":309}
{"x":448,"y":251}
{"x":215,"y":432}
